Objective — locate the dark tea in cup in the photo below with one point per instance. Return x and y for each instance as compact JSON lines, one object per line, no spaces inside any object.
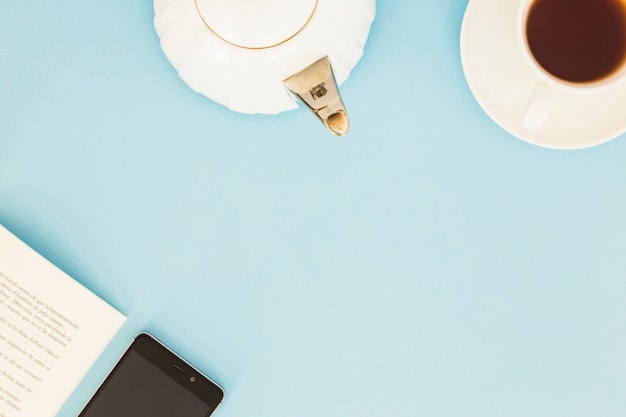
{"x":578,"y":41}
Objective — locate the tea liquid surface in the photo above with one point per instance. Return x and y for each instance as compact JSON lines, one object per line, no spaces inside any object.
{"x":578,"y":40}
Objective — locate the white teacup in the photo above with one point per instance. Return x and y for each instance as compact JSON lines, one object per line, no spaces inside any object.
{"x":557,"y":54}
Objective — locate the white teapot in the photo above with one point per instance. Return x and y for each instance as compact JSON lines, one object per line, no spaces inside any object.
{"x":260,"y":56}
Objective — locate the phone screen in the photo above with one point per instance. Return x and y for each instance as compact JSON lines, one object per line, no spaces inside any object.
{"x":148,"y":385}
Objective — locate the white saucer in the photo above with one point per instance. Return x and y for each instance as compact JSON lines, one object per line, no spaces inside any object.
{"x":502,"y":83}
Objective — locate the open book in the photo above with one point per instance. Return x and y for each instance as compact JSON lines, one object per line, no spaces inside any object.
{"x":52,"y":329}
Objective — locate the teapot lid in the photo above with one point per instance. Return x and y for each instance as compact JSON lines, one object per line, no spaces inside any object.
{"x":256,"y":24}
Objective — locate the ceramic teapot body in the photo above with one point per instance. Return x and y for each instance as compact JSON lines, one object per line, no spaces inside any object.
{"x":239,"y":53}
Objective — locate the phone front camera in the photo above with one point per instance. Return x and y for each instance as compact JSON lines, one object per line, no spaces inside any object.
{"x":192,"y":379}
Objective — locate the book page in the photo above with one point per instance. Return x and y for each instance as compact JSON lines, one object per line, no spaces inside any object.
{"x":52,"y":329}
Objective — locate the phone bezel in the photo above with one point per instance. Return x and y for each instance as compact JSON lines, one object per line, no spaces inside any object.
{"x":168,"y":361}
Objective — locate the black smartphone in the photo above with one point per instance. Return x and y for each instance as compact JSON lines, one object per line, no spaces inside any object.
{"x":150,"y":380}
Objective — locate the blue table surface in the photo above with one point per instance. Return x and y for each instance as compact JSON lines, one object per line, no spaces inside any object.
{"x":429,"y":264}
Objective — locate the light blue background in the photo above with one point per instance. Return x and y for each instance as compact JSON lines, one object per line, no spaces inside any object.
{"x":429,"y":264}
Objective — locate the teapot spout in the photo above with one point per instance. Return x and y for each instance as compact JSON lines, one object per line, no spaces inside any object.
{"x":316,"y":87}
